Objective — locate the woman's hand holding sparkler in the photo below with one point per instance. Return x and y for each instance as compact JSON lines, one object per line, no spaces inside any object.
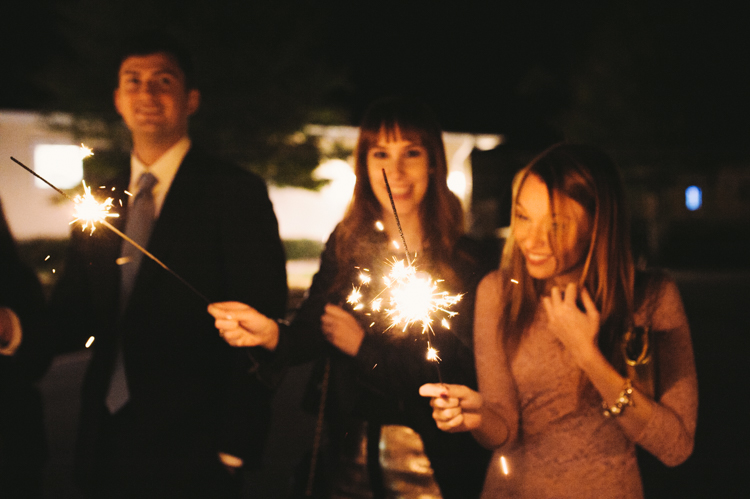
{"x":455,"y":408}
{"x":242,"y":326}
{"x":342,"y":330}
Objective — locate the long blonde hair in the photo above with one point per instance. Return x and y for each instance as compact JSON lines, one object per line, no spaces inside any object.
{"x":588,"y":176}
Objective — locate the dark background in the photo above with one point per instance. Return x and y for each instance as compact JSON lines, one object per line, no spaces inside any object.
{"x":638,"y":74}
{"x":662,"y":86}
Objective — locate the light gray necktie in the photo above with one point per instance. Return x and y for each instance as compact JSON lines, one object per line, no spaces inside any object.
{"x":141,"y":215}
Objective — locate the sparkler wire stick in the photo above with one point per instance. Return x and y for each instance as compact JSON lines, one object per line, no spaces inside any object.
{"x":431,"y":352}
{"x":119,"y":233}
{"x":395,"y":214}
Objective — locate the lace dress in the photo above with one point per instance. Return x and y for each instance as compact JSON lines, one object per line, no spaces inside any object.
{"x":565,"y":447}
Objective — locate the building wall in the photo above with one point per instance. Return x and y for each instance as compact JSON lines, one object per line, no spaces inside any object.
{"x":32,"y":212}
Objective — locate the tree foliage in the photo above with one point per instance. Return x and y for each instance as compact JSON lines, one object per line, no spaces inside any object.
{"x":260,"y":70}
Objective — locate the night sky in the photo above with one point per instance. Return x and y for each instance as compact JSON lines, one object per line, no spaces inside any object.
{"x":672,"y":75}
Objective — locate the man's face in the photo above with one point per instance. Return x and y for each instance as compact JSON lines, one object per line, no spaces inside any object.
{"x":152,"y":97}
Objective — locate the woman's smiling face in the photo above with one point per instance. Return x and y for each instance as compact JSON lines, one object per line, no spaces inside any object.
{"x":554,"y":244}
{"x":407,"y":166}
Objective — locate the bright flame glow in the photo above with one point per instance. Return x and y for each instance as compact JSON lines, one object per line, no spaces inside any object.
{"x":432,"y":354}
{"x":86,"y":151}
{"x":90,"y":211}
{"x":89,"y":341}
{"x":411,"y":297}
{"x":354,"y":297}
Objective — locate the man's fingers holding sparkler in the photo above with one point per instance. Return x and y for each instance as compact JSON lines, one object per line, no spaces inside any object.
{"x":342,"y":330}
{"x":242,"y":326}
{"x":454,"y":407}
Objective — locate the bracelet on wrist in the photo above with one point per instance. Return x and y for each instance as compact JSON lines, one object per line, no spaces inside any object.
{"x":624,"y":400}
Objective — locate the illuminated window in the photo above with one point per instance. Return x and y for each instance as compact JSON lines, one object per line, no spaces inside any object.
{"x":61,"y":165}
{"x":693,"y":197}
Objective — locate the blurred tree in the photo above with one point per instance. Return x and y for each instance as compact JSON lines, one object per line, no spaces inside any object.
{"x":27,"y":43}
{"x":259,"y":67}
{"x":666,"y":76}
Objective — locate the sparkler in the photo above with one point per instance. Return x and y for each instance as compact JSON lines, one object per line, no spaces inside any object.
{"x":409,"y":297}
{"x":395,"y":214}
{"x":90,"y":212}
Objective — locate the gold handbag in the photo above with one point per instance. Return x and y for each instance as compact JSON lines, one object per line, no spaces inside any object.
{"x":638,"y":348}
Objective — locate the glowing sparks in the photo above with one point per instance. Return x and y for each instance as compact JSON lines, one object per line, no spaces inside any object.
{"x":364,"y":276}
{"x":89,"y":211}
{"x":379,"y":225}
{"x":514,"y":281}
{"x":432,"y":354}
{"x":355,"y":296}
{"x":89,"y":341}
{"x":86,"y":152}
{"x":409,"y":297}
{"x":504,"y":465}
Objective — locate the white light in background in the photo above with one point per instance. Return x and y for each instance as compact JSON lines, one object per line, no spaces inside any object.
{"x":487,"y":142}
{"x":693,"y":197}
{"x":61,"y":165}
{"x":457,"y":183}
{"x":341,"y":176}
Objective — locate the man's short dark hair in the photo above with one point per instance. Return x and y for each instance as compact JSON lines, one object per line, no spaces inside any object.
{"x":152,"y":42}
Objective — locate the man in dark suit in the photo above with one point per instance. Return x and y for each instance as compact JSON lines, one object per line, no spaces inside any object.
{"x":168,"y":408}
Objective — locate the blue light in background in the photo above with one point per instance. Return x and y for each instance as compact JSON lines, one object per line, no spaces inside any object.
{"x":693,"y":197}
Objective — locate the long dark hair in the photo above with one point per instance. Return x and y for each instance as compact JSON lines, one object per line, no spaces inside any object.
{"x":590,"y":177}
{"x":440,"y":213}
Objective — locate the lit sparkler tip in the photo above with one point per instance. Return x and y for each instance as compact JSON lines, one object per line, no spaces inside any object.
{"x":409,"y":298}
{"x":86,"y":151}
{"x":432,"y":354}
{"x":90,"y":211}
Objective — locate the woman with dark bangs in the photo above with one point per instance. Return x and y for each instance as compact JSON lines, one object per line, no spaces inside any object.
{"x":579,"y":356}
{"x":373,"y":376}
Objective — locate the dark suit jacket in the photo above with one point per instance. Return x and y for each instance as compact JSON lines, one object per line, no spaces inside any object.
{"x":23,"y":443}
{"x":217,"y":231}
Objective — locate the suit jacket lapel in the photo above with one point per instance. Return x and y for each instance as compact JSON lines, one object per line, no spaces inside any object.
{"x":171,"y":221}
